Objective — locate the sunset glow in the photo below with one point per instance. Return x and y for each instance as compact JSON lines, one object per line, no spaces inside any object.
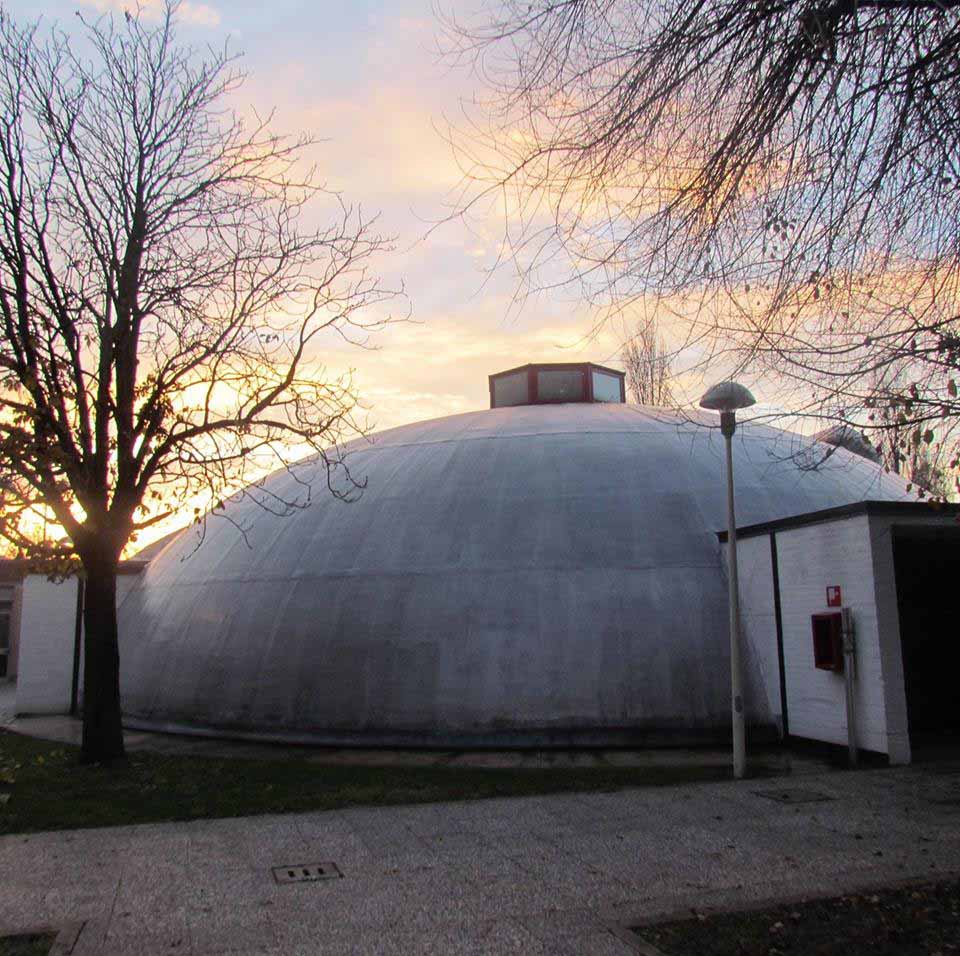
{"x":365,"y":79}
{"x":367,"y":82}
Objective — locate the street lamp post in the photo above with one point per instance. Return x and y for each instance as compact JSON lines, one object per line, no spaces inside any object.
{"x":726,"y":398}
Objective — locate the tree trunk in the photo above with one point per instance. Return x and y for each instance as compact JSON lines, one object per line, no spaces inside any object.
{"x":102,"y":728}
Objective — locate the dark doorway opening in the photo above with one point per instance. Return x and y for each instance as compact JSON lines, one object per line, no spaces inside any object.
{"x":927,"y":567}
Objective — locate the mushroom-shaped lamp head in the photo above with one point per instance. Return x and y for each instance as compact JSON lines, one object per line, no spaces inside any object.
{"x":727,"y":397}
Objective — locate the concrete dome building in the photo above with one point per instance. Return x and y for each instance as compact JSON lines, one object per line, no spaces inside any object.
{"x":542,"y":573}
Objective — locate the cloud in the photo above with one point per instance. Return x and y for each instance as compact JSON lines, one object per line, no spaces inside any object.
{"x":197,"y":14}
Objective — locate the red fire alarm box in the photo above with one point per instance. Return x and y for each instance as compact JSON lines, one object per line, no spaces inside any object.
{"x":828,"y":641}
{"x":834,"y":596}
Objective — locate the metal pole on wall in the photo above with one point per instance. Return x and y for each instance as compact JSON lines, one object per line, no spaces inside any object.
{"x":726,"y":398}
{"x":849,"y":676}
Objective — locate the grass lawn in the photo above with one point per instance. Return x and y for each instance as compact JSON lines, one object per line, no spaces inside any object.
{"x":920,"y":920}
{"x":32,"y":945}
{"x":42,"y":787}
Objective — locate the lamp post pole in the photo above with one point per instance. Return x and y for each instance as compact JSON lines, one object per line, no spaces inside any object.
{"x":726,"y":398}
{"x":728,"y":425}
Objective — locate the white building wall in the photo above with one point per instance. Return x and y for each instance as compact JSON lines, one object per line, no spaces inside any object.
{"x":810,"y":559}
{"x":891,"y":652}
{"x":758,"y":624}
{"x":47,"y":631}
{"x":47,"y":634}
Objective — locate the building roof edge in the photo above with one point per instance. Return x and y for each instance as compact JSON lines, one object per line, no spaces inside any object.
{"x":869,"y":507}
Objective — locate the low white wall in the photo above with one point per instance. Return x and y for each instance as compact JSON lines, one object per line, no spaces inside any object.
{"x":758,"y":625}
{"x":47,"y":630}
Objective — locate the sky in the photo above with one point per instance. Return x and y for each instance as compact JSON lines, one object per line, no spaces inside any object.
{"x":367,"y":79}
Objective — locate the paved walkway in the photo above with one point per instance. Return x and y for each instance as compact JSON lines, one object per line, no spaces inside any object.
{"x":560,"y":875}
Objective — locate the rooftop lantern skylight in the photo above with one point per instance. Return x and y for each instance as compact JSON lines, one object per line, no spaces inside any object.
{"x":555,"y":383}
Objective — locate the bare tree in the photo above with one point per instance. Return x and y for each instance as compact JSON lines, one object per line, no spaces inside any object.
{"x":917,"y":453}
{"x":929,"y":475}
{"x":163,"y":298}
{"x":785,"y":174}
{"x":647,"y":365}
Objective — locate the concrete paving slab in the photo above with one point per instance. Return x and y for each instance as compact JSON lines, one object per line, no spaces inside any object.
{"x":601,"y":941}
{"x":426,"y":902}
{"x":386,"y":838}
{"x":229,"y":931}
{"x":465,"y":939}
{"x":455,"y":939}
{"x":147,"y":933}
{"x":570,"y":880}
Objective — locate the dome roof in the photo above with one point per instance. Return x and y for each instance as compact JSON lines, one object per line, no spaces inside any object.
{"x":529,"y":574}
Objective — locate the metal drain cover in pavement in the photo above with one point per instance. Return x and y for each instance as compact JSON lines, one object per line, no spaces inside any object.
{"x":794,"y":796}
{"x":306,"y":872}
